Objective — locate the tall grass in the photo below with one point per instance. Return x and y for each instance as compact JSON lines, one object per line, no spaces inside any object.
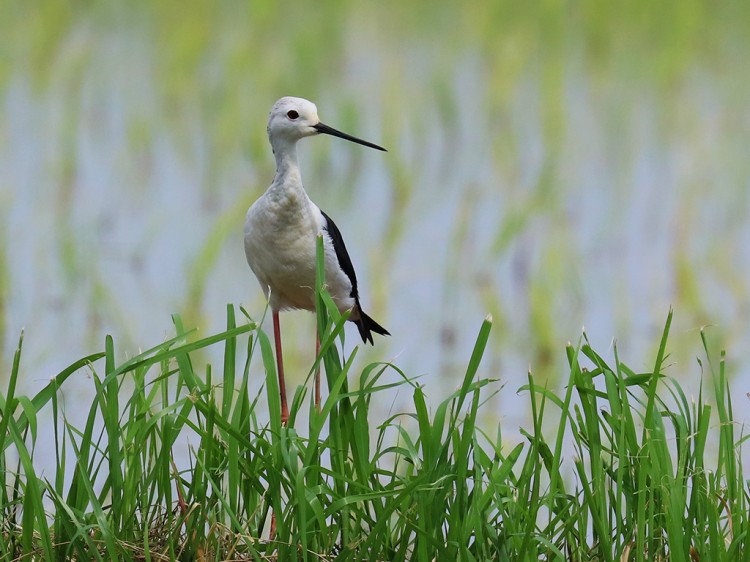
{"x":633,"y":470}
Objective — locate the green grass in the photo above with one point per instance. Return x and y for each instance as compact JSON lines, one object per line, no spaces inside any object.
{"x":632,"y":470}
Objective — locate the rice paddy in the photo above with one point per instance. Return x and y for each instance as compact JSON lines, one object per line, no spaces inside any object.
{"x":589,"y":164}
{"x":621,"y":465}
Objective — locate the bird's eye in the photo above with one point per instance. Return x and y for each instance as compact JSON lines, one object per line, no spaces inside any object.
{"x":292,"y":114}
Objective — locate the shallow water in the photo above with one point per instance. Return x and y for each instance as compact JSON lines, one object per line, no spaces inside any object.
{"x":541,"y":186}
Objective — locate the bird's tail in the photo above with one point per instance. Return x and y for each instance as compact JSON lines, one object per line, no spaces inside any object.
{"x":367,"y":325}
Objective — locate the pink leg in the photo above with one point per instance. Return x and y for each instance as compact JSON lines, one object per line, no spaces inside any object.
{"x":280,"y":366}
{"x":282,"y":393}
{"x":317,"y":371}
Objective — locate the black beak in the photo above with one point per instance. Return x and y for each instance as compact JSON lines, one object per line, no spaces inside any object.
{"x":326,"y":130}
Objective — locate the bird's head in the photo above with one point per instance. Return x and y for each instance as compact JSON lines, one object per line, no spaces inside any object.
{"x":292,"y":119}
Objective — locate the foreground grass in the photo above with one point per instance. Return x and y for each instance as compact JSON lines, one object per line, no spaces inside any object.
{"x":636,"y":483}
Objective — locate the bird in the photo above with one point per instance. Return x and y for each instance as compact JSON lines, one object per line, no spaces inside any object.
{"x":281,"y":231}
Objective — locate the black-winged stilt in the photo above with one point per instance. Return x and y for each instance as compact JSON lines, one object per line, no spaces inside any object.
{"x":281,"y":230}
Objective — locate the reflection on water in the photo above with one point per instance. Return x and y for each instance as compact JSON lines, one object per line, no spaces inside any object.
{"x":595,"y":197}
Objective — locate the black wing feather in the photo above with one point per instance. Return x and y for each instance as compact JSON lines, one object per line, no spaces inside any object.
{"x":365,"y":324}
{"x":345,"y":262}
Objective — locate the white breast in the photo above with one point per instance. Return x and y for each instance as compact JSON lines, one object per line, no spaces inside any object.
{"x":280,"y":245}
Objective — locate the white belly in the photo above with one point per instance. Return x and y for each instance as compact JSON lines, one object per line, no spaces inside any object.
{"x":280,"y":246}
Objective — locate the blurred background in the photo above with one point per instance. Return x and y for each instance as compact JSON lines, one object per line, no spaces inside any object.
{"x":555,"y":164}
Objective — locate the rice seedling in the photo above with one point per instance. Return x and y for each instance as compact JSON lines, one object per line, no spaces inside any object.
{"x":633,"y":470}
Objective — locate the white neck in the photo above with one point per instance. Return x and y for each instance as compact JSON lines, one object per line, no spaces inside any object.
{"x":287,"y":165}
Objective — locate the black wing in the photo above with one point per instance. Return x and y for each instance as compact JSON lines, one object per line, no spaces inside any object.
{"x":345,"y":262}
{"x":365,"y":324}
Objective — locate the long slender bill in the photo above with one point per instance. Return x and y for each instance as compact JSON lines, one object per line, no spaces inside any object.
{"x":325,"y":129}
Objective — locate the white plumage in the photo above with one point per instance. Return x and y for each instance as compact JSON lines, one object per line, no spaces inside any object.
{"x":282,"y":226}
{"x":280,"y":235}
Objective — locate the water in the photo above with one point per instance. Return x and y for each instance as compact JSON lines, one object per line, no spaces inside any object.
{"x":596,"y":197}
